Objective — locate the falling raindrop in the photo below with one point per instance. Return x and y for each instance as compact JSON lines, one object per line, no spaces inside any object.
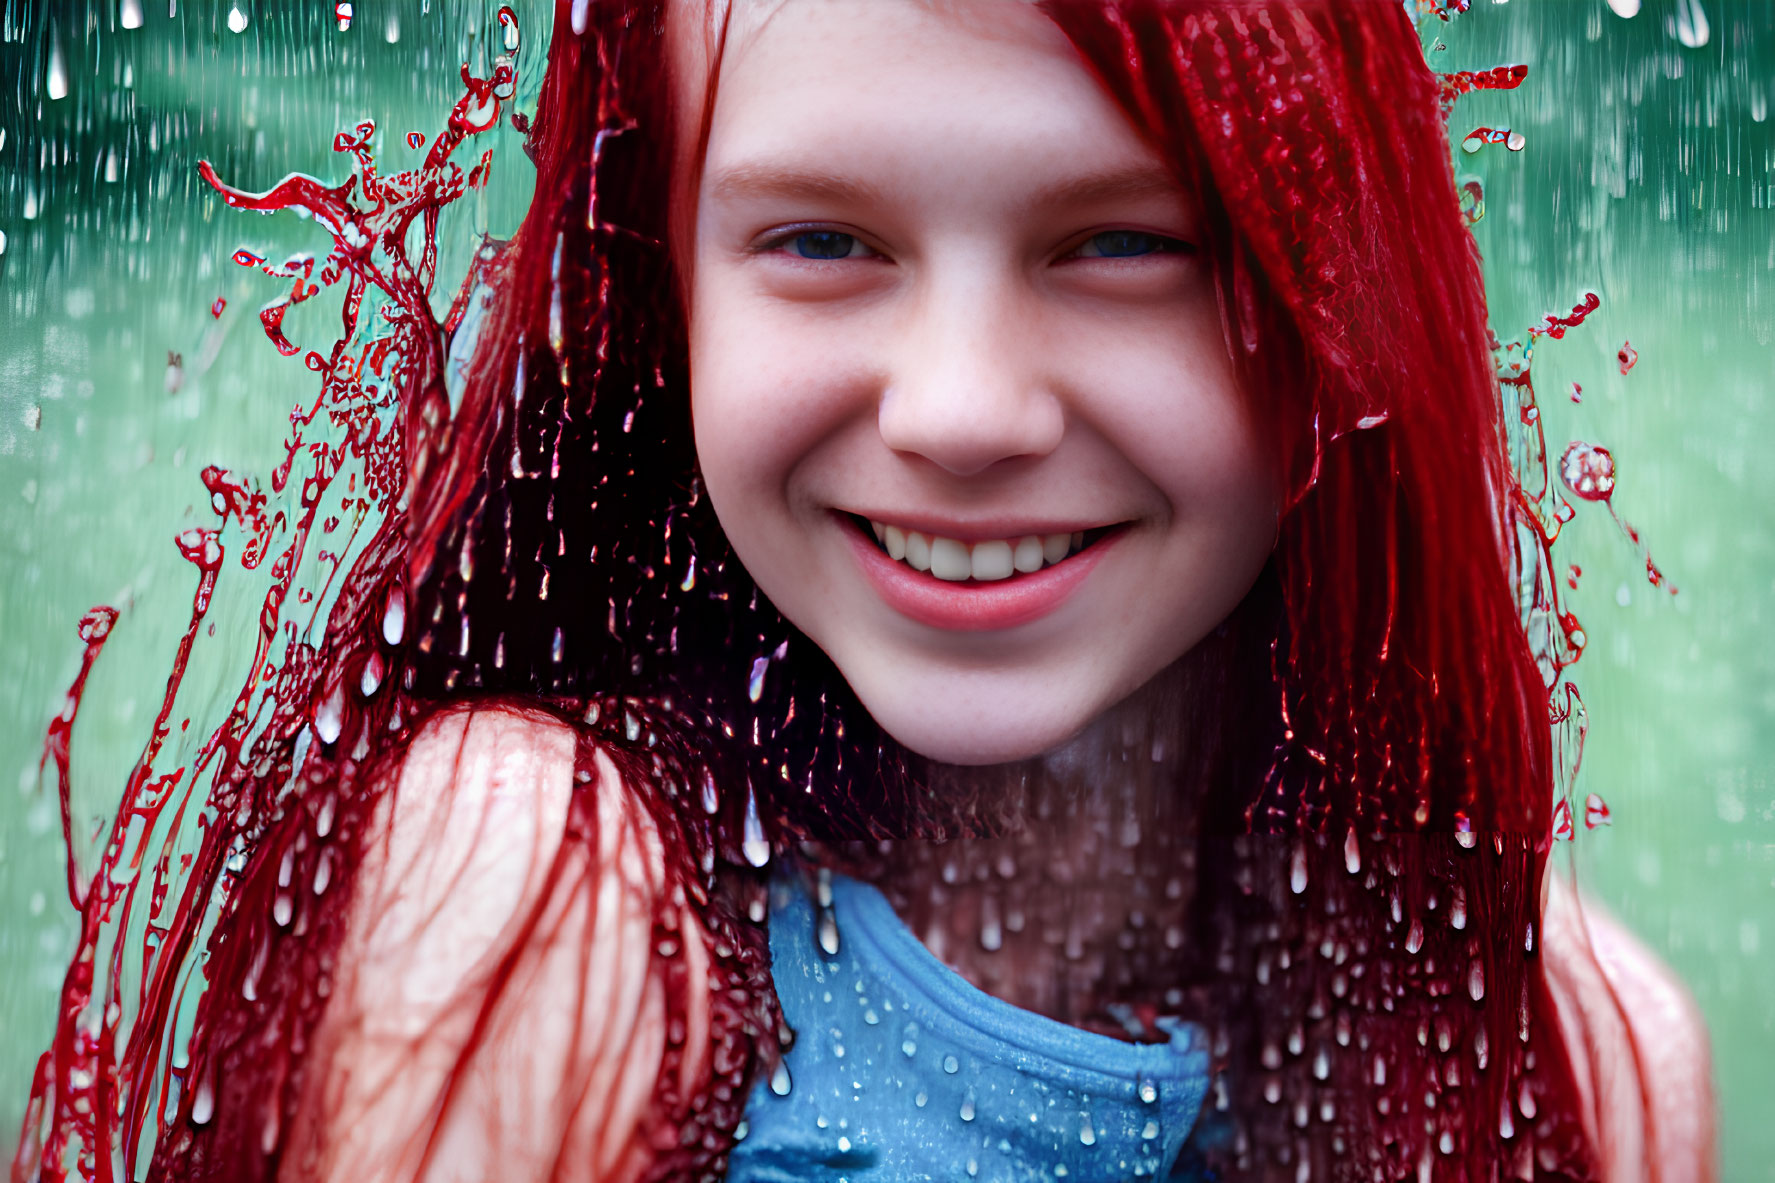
{"x":1596,"y":812}
{"x":1691,"y":23}
{"x":967,"y":1106}
{"x":780,"y":1083}
{"x":394,"y":617}
{"x":1476,"y":979}
{"x":1297,"y":873}
{"x":130,"y":14}
{"x":1627,"y":356}
{"x":1352,"y":853}
{"x":753,"y":843}
{"x":56,"y":84}
{"x":237,"y":20}
{"x":1588,"y":471}
{"x":755,"y":683}
{"x":1624,"y":8}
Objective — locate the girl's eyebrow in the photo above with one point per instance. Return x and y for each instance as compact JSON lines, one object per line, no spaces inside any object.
{"x":770,"y":180}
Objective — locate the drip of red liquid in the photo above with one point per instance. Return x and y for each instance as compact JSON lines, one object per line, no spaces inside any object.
{"x":1466,"y":81}
{"x":217,"y":307}
{"x":1627,"y":355}
{"x":1596,"y":812}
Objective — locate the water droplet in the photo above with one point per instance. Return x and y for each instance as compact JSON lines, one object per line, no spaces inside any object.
{"x":56,"y":84}
{"x":372,"y":675}
{"x":1562,"y":821}
{"x":1380,"y":1071}
{"x":870,"y":1017}
{"x":329,"y":716}
{"x":1588,"y":471}
{"x":1457,"y":910}
{"x":1627,"y":356}
{"x":753,"y":842}
{"x":909,"y":1040}
{"x":237,"y":20}
{"x":844,"y":1144}
{"x":1087,"y":1135}
{"x":755,"y":683}
{"x":1352,"y":852}
{"x":1476,"y":979}
{"x":1150,"y":1130}
{"x":1691,"y":23}
{"x":921,"y":1099}
{"x":1414,"y":936}
{"x":1321,"y":1065}
{"x":1147,"y":1091}
{"x":394,"y":617}
{"x":1297,"y":873}
{"x":780,"y":1083}
{"x":1596,"y":812}
{"x":342,"y":13}
{"x":951,"y":1065}
{"x":826,"y":928}
{"x":967,"y":1106}
{"x":130,"y":14}
{"x":203,"y":1104}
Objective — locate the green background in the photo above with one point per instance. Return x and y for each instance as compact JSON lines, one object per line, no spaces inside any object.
{"x":1647,"y":176}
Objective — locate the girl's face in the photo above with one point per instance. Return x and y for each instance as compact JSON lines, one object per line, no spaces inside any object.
{"x":961,"y":396}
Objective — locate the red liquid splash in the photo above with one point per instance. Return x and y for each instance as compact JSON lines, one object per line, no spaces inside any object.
{"x":217,"y":307}
{"x":1466,"y":81}
{"x":107,"y":1084}
{"x":1596,"y":812}
{"x":1479,"y":137}
{"x":1627,"y":356}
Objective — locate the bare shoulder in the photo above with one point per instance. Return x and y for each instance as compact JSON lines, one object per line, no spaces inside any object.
{"x":493,"y":996}
{"x":1638,"y":1044}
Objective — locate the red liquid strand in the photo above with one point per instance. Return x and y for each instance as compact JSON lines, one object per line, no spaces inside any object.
{"x":106,"y":1085}
{"x":1479,"y":137}
{"x":1466,"y":81}
{"x":1587,"y":473}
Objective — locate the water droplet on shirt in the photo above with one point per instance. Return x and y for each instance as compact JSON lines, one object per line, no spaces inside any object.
{"x":780,"y":1084}
{"x":1147,"y":1091}
{"x":1352,"y":852}
{"x":921,"y":1099}
{"x":826,"y":928}
{"x":1476,"y":979}
{"x":951,"y":1065}
{"x":1297,"y":872}
{"x":1087,"y":1135}
{"x":1414,"y":936}
{"x":967,"y":1106}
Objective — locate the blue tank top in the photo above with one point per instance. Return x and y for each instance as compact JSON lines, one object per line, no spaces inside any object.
{"x":902,"y":1071}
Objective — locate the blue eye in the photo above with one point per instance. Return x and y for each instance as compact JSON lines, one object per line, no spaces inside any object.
{"x":1125,"y":244}
{"x":824,"y":244}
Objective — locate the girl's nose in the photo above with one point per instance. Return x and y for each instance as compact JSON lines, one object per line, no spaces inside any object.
{"x":967,"y":391}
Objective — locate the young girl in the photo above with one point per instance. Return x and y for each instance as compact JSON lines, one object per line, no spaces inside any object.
{"x":959,"y":627}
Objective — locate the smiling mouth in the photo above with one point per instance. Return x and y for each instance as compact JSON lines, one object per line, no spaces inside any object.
{"x":990,"y":560}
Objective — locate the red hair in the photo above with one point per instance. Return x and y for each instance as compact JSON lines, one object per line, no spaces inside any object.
{"x":1375,"y":839}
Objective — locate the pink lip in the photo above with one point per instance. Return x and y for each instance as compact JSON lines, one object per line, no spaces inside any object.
{"x":973,"y":607}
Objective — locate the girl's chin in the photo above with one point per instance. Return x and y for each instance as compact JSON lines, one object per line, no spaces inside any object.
{"x":956,"y":731}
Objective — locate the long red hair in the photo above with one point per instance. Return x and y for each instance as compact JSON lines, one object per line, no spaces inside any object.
{"x":1376,"y":823}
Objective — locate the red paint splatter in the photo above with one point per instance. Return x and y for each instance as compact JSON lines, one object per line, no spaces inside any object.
{"x":1627,"y":355}
{"x":217,"y":307}
{"x":1596,"y":812}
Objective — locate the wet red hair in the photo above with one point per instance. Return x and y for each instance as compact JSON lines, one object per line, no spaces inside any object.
{"x":1376,"y":826}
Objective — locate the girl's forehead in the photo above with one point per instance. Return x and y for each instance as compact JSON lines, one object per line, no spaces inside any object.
{"x":710,"y":40}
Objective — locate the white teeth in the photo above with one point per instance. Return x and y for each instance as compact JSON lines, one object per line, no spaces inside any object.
{"x":949,"y":560}
{"x":918,"y":551}
{"x":983,"y":562}
{"x":991,"y":560}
